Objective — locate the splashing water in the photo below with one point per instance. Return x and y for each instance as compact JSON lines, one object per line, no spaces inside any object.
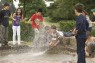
{"x":38,"y":53}
{"x":40,"y":42}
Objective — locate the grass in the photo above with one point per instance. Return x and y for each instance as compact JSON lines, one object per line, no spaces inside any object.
{"x":27,"y":43}
{"x":49,"y":23}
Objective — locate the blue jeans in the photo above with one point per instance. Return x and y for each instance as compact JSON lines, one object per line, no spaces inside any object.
{"x":81,"y":50}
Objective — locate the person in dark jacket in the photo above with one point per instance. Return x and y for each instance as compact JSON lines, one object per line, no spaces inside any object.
{"x":81,"y":29}
{"x":4,"y":22}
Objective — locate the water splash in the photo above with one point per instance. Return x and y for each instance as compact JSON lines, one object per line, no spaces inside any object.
{"x":38,"y":54}
{"x":40,"y":42}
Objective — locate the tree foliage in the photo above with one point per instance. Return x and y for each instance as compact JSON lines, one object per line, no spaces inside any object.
{"x":64,"y":9}
{"x":32,"y":5}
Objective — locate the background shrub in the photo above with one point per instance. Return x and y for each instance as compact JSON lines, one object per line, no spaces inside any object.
{"x":93,"y":30}
{"x":64,"y":9}
{"x":67,"y":25}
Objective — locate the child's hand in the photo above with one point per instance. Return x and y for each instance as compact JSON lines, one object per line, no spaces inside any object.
{"x":49,"y":43}
{"x":14,"y":19}
{"x":55,"y":45}
{"x":36,"y":30}
{"x":87,"y":54}
{"x":23,"y":20}
{"x":28,"y":22}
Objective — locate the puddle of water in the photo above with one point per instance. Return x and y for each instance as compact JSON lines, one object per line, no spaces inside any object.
{"x":38,"y":54}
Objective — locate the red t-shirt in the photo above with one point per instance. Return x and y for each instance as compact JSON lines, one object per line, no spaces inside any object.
{"x":33,"y":19}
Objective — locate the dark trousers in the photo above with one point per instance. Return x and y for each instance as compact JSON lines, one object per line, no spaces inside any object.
{"x":81,"y":50}
{"x":3,"y":35}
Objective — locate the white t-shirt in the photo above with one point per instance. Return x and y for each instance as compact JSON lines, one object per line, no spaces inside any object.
{"x":60,"y":33}
{"x":89,"y":21}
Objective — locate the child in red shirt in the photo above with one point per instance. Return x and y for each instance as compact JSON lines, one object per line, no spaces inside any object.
{"x":36,"y":20}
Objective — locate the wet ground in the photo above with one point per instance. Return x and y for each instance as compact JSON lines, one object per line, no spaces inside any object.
{"x":25,"y":54}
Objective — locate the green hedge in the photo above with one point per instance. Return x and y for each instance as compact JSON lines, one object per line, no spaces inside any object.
{"x":67,"y":25}
{"x":26,"y":32}
{"x":93,"y":30}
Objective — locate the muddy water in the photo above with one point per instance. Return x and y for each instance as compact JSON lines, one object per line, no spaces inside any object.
{"x":41,"y":57}
{"x":35,"y":58}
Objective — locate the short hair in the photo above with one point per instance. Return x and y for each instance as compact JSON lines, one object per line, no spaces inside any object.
{"x":47,"y":27}
{"x":6,"y":4}
{"x":53,"y":27}
{"x":79,"y":7}
{"x":39,"y":10}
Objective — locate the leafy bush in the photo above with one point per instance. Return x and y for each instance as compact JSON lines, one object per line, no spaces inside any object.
{"x":26,"y":32}
{"x":93,"y":30}
{"x":64,"y":9}
{"x":67,"y":25}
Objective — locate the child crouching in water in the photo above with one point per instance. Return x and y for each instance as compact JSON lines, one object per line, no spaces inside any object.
{"x":55,"y":37}
{"x":90,"y":44}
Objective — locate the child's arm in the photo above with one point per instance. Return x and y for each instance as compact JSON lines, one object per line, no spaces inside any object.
{"x":94,"y":39}
{"x":50,"y":43}
{"x":86,"y":51}
{"x":74,"y":30}
{"x":58,"y":39}
{"x":57,"y":43}
{"x":22,"y":18}
{"x":44,"y":23}
{"x":12,"y":16}
{"x":29,"y":21}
